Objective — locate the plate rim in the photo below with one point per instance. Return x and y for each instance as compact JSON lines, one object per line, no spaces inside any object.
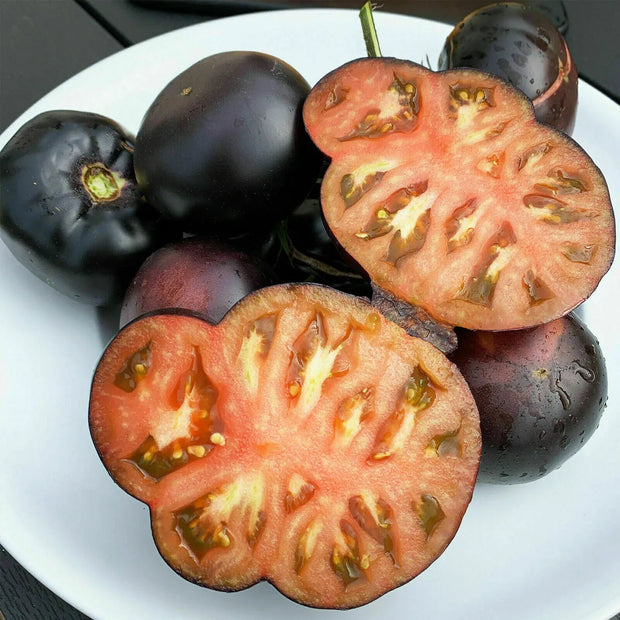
{"x":10,"y":130}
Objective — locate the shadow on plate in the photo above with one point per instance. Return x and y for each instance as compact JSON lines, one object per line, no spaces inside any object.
{"x":108,"y":323}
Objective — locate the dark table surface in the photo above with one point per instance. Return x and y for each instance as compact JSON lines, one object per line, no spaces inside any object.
{"x":44,"y":42}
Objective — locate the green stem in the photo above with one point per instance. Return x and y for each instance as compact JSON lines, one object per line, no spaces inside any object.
{"x":370,"y":32}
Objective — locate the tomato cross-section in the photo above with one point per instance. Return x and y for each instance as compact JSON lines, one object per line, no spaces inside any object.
{"x":451,"y":196}
{"x":305,"y":440}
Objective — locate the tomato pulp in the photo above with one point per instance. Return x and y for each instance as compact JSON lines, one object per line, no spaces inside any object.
{"x":452,"y":197}
{"x":305,"y":440}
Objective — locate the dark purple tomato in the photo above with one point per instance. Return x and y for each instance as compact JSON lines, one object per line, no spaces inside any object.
{"x":264,"y":244}
{"x":540,"y":393}
{"x":309,"y":253}
{"x":202,"y":275}
{"x":223,"y":149}
{"x":521,"y":45}
{"x":70,"y":208}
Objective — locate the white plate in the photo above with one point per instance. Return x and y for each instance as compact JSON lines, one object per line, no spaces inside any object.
{"x":547,"y":549}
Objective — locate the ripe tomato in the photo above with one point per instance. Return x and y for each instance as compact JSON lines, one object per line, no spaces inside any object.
{"x":201,"y":274}
{"x":71,"y":210}
{"x":223,"y":149}
{"x":453,"y":198}
{"x":541,"y":393}
{"x":304,"y":440}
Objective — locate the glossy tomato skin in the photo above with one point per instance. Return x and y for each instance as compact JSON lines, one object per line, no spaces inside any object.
{"x":223,"y":147}
{"x":540,"y":393}
{"x":70,"y":208}
{"x":309,"y":253}
{"x":521,"y":45}
{"x":204,"y":275}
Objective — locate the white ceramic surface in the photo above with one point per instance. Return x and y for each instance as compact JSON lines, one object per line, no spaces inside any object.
{"x":544,"y":550}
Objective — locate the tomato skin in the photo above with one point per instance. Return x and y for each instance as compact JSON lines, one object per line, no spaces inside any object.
{"x":541,"y":393}
{"x":200,"y":274}
{"x":452,"y":197}
{"x":304,"y":440}
{"x":310,"y":254}
{"x":223,"y":147}
{"x":84,"y":245}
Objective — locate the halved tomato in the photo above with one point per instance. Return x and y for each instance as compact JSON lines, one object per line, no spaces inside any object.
{"x":452,"y":197}
{"x":304,"y":440}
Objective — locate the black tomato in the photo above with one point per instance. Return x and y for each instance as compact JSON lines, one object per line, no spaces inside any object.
{"x":309,"y":253}
{"x":223,"y":149}
{"x":521,"y":45}
{"x":204,"y":275}
{"x":70,"y":208}
{"x":540,"y":393}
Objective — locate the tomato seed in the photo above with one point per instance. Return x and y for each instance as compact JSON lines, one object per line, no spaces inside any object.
{"x":217,"y":438}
